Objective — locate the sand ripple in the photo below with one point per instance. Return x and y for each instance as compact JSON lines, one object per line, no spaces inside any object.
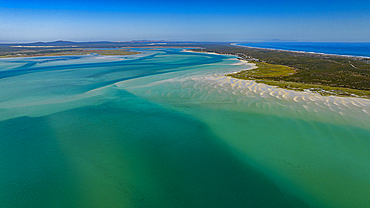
{"x":246,"y":95}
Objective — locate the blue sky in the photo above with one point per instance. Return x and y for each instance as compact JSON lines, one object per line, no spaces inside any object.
{"x":191,"y":20}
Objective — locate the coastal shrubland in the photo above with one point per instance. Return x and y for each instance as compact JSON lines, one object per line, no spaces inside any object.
{"x":266,"y":73}
{"x":324,"y":74}
{"x":264,"y":70}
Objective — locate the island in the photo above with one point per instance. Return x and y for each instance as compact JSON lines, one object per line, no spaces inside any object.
{"x":67,"y":48}
{"x":26,"y":52}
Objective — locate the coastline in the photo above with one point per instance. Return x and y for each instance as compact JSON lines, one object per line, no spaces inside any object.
{"x":265,"y":91}
{"x":94,"y":51}
{"x":206,"y":52}
{"x":294,"y":86}
{"x":286,"y":82}
{"x":307,"y":52}
{"x":76,"y":52}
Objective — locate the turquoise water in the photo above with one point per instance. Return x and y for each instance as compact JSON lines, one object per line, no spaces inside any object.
{"x":167,"y":129}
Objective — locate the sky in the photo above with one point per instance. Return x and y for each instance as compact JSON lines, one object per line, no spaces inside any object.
{"x":185,"y":20}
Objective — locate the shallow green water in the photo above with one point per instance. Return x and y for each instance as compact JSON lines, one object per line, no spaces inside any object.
{"x":165,"y":129}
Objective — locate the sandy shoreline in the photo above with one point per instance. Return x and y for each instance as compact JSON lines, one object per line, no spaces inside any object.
{"x":205,"y":52}
{"x":308,"y":53}
{"x":240,"y":86}
{"x":253,"y":66}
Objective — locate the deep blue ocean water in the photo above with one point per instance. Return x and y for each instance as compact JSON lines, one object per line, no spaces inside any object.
{"x":350,"y":49}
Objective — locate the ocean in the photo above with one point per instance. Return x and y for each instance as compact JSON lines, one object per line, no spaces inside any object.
{"x":348,"y":49}
{"x":166,"y":128}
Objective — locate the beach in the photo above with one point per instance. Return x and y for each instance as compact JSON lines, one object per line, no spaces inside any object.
{"x":355,"y":51}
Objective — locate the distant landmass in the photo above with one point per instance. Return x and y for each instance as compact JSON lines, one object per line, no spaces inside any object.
{"x":339,"y":75}
{"x":279,"y":40}
{"x":62,"y":43}
{"x":62,"y":47}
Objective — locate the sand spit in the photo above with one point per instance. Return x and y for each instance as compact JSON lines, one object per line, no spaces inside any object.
{"x":190,"y":51}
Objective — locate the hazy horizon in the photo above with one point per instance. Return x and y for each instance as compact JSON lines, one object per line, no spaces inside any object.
{"x":183,"y":41}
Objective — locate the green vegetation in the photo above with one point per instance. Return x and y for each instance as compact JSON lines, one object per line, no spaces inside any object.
{"x":264,"y":70}
{"x":112,"y":52}
{"x":321,"y":89}
{"x":325,"y":74}
{"x":22,"y":52}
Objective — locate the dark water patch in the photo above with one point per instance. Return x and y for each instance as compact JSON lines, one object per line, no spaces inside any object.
{"x":26,"y":66}
{"x":59,"y":79}
{"x":141,"y":154}
{"x":325,"y":163}
{"x":151,"y":62}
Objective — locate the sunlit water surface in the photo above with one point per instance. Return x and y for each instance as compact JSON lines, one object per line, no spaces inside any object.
{"x":167,"y":129}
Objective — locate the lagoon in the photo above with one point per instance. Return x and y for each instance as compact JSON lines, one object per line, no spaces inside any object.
{"x":166,"y":128}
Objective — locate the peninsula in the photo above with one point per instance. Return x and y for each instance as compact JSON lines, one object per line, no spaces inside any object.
{"x":322,"y":73}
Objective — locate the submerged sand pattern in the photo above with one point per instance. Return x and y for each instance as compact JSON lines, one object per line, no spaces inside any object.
{"x":143,"y":127}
